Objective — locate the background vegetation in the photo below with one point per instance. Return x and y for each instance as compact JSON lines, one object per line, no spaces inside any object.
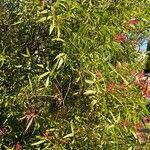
{"x":67,"y":74}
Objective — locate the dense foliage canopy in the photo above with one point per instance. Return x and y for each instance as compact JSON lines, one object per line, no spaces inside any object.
{"x":67,"y":74}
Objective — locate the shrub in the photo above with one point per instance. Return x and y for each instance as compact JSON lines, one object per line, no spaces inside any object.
{"x":66,"y":79}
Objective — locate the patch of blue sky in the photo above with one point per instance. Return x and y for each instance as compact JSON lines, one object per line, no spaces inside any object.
{"x":142,"y":47}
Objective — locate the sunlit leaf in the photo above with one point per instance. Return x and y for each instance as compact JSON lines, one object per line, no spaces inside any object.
{"x":43,"y":75}
{"x":29,"y":124}
{"x":52,"y":25}
{"x":68,"y":135}
{"x":38,"y":143}
{"x":60,"y":62}
{"x":89,"y":92}
{"x":89,"y":81}
{"x":47,"y":82}
{"x":40,"y":65}
{"x":44,"y":19}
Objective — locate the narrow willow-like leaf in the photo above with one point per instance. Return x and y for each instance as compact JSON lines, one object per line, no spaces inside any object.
{"x":38,"y":143}
{"x":89,"y":92}
{"x":68,"y":135}
{"x":43,"y":75}
{"x":47,"y":82}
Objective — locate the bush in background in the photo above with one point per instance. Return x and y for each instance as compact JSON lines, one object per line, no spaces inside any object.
{"x":67,"y":71}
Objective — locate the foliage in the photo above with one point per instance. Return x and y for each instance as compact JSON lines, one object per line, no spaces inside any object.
{"x":66,"y":73}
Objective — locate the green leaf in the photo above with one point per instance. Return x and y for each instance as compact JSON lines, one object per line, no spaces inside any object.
{"x":58,"y":32}
{"x":144,"y":19}
{"x":25,"y":55}
{"x":58,"y":39}
{"x":146,"y":112}
{"x":72,"y":126}
{"x":43,"y":75}
{"x":18,"y":66}
{"x":130,"y":148}
{"x":60,"y":62}
{"x":59,"y":55}
{"x":125,"y":81}
{"x":40,"y":65}
{"x":30,"y":82}
{"x":89,"y":81}
{"x":89,"y":92}
{"x":44,"y":19}
{"x":52,"y":27}
{"x":28,"y":52}
{"x":44,"y":12}
{"x":47,"y":82}
{"x":38,"y":143}
{"x":16,"y":23}
{"x":68,"y":135}
{"x":93,"y":102}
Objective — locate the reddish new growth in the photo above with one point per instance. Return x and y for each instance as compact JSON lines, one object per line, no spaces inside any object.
{"x":17,"y":146}
{"x":118,"y":66}
{"x":30,"y":114}
{"x":146,"y":120}
{"x":121,"y":38}
{"x":111,"y":87}
{"x":133,"y":21}
{"x":3,"y":131}
{"x":144,"y":84}
{"x":141,"y":74}
{"x":139,"y":79}
{"x":146,"y":94}
{"x":125,"y":123}
{"x":122,"y":86}
{"x":98,"y":74}
{"x":142,"y":136}
{"x":138,"y":126}
{"x":48,"y":135}
{"x":133,"y":73}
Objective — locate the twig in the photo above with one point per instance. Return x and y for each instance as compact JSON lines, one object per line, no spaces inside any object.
{"x":67,"y":91}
